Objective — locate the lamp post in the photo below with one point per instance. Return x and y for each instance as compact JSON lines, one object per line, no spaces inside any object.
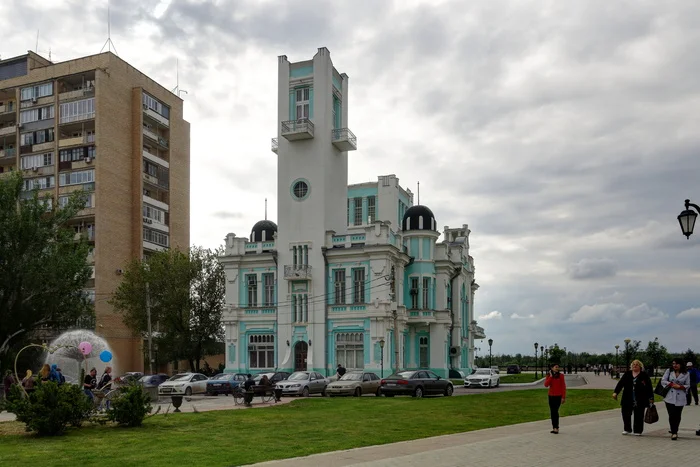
{"x":627,"y":353}
{"x":381,"y":362}
{"x":687,"y":218}
{"x":617,"y":367}
{"x":490,"y":357}
{"x":536,"y":346}
{"x":566,"y":359}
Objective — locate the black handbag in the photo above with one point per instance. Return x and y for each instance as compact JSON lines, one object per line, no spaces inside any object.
{"x":652,"y":415}
{"x":660,"y":390}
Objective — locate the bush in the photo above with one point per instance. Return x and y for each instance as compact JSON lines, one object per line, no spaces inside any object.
{"x":50,"y":407}
{"x":131,"y":406}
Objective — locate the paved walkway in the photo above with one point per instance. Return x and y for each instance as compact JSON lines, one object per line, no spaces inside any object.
{"x":585,"y":440}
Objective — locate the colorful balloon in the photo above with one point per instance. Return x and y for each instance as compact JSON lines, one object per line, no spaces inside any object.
{"x":106,"y":356}
{"x":85,"y":348}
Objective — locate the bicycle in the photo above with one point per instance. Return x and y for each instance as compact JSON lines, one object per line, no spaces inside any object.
{"x":266,"y":395}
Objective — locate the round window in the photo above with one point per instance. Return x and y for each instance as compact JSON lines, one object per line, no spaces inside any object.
{"x":300,"y":189}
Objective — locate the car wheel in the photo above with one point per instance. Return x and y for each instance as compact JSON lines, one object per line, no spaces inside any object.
{"x":357,"y":393}
{"x":188,"y":391}
{"x":323,"y":393}
{"x":305,"y":392}
{"x":418,"y":392}
{"x":489,"y":384}
{"x":379,"y":392}
{"x":498,"y":382}
{"x":449,"y":390}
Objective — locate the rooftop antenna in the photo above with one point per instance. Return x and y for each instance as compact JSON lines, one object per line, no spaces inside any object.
{"x":176,"y":89}
{"x":36,"y":49}
{"x":109,"y":44}
{"x":265,"y":208}
{"x":418,"y":192}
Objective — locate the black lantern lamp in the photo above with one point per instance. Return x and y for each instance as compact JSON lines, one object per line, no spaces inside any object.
{"x":687,"y":218}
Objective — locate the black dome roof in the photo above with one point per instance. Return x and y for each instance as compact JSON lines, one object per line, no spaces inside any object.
{"x":414,"y":214}
{"x":263,"y":231}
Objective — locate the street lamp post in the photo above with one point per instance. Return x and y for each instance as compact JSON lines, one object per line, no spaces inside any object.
{"x":687,"y":218}
{"x":617,"y":367}
{"x":490,"y":358}
{"x":381,"y":361}
{"x":536,"y":346}
{"x":627,"y":353}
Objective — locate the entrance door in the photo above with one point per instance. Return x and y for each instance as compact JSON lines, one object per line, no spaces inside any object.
{"x":300,"y":351}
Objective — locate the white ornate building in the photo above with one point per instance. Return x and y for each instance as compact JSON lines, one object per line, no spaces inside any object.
{"x":354,"y":274}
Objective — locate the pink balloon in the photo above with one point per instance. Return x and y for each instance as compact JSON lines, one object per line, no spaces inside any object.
{"x":85,"y":348}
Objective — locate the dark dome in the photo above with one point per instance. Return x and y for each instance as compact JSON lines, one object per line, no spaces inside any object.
{"x":418,"y":217}
{"x":263,"y":231}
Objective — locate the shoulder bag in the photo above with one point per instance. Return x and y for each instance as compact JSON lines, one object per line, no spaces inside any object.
{"x":660,"y":389}
{"x":651,"y":415}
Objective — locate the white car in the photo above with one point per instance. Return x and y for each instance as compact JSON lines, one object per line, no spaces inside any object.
{"x":184,"y":383}
{"x":483,"y":377}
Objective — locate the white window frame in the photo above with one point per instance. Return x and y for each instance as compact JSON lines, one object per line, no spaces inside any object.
{"x":414,"y":296}
{"x":357,"y":214}
{"x":303,"y":99}
{"x":261,"y":349}
{"x":339,"y":281}
{"x":350,"y":350}
{"x":77,"y":110}
{"x":36,"y":160}
{"x":426,"y":293}
{"x":371,"y":209}
{"x":77,"y":177}
{"x":251,"y":283}
{"x":358,"y":285}
{"x":269,"y":289}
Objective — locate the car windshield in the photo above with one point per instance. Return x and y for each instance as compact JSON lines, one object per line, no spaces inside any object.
{"x":483,"y":372}
{"x":299,"y":376}
{"x":351,"y":377}
{"x":180,"y":378}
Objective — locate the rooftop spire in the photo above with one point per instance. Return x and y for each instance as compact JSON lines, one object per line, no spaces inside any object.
{"x":418,"y":192}
{"x":265,"y":208}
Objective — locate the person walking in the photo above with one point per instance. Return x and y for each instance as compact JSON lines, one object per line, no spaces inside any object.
{"x":694,"y":378}
{"x":28,"y":381}
{"x":678,"y":380}
{"x":556,"y":394}
{"x":637,"y":395}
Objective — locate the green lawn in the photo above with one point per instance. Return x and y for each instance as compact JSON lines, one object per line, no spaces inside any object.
{"x":520,"y":378}
{"x":303,"y":427}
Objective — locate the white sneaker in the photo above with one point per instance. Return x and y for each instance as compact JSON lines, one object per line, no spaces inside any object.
{"x":637,"y":434}
{"x":626,"y":433}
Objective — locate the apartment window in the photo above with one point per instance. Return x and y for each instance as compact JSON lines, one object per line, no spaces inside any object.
{"x":426,"y":293}
{"x":77,"y":154}
{"x":423,"y":360}
{"x":306,"y":254}
{"x":39,"y":183}
{"x":154,"y":236}
{"x":414,"y":293}
{"x":358,"y":289}
{"x":269,"y":286}
{"x":77,"y":110}
{"x":339,"y":280}
{"x":153,"y":213}
{"x":300,"y":308}
{"x":358,"y":211}
{"x":76,"y":178}
{"x":371,"y":208}
{"x":155,"y":105}
{"x":90,"y":295}
{"x":34,"y":115}
{"x":37,"y":160}
{"x":350,"y":350}
{"x":251,"y":281}
{"x":89,"y":202}
{"x":261,"y":350}
{"x":35,"y":92}
{"x":302,"y":102}
{"x":336,"y":112}
{"x":348,"y":217}
{"x":300,"y":255}
{"x":37,"y":137}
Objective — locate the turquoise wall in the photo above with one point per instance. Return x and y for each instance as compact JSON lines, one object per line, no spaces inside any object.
{"x":336,"y":83}
{"x":301,"y":72}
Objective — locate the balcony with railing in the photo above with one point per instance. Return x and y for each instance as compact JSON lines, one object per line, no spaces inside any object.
{"x":344,"y":139}
{"x":8,"y":108}
{"x":477,"y":331}
{"x":77,"y":94}
{"x":9,"y":153}
{"x":155,"y":116}
{"x":275,"y":145}
{"x":302,"y":128}
{"x":74,"y":141}
{"x":297,"y":271}
{"x":8,"y":129}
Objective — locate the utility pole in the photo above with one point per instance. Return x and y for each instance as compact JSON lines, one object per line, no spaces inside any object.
{"x":150,"y":334}
{"x":394,"y":313}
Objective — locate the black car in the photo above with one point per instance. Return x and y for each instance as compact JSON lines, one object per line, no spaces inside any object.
{"x":153,"y":381}
{"x":225,"y":383}
{"x":513,"y":369}
{"x":416,"y":383}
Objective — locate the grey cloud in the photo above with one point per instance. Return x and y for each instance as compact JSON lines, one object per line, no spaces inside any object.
{"x":593,"y":268}
{"x":227,"y":215}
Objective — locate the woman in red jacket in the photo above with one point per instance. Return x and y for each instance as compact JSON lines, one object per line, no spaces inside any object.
{"x":557,"y":394}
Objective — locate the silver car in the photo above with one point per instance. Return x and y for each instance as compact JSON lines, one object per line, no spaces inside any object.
{"x":304,"y":383}
{"x":355,"y":383}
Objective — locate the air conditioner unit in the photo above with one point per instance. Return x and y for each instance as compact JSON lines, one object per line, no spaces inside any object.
{"x":119,"y":272}
{"x":88,"y":160}
{"x":252,"y":280}
{"x":35,"y":168}
{"x":145,"y":106}
{"x":454,"y":351}
{"x":34,"y":100}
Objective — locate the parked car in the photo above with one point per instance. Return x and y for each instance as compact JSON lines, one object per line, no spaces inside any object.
{"x":274,"y":377}
{"x":483,"y":377}
{"x":355,"y":383}
{"x":513,"y":369}
{"x":153,"y":381}
{"x":304,"y":383}
{"x":225,"y":383}
{"x":416,"y":383}
{"x":496,"y":369}
{"x":128,"y":378}
{"x":184,"y":383}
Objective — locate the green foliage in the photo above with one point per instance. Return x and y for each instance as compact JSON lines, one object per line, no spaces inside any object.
{"x":50,"y":408}
{"x":131,"y":406}
{"x":186,"y":291}
{"x":655,"y":355}
{"x":43,"y":269}
{"x":689,"y":356}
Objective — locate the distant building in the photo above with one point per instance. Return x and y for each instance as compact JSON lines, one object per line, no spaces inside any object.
{"x":352,"y":273}
{"x":98,"y":124}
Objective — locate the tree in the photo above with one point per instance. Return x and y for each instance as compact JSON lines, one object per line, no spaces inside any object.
{"x":655,"y":355}
{"x":186,"y":292}
{"x":689,"y":356}
{"x":43,"y":269}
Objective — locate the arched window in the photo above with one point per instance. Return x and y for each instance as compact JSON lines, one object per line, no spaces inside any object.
{"x":350,"y":350}
{"x":261,"y":351}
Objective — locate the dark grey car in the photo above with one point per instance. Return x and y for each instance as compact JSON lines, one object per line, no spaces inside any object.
{"x":416,"y":383}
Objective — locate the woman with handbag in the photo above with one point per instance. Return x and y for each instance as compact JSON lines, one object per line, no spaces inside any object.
{"x":637,"y":395}
{"x":678,"y":380}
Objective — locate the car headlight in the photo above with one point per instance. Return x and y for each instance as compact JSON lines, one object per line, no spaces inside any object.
{"x":295,"y":386}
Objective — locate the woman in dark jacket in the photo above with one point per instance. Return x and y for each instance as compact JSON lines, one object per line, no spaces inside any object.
{"x":637,"y":395}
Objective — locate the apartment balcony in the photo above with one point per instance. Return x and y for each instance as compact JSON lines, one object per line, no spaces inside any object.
{"x":77,"y":94}
{"x":477,"y":331}
{"x":297,"y":271}
{"x":43,"y":146}
{"x":275,"y":145}
{"x":159,"y":182}
{"x":344,"y":139}
{"x":9,"y":108}
{"x":9,"y":153}
{"x":74,"y":141}
{"x":7,"y":174}
{"x":269,"y":311}
{"x":8,"y":130}
{"x":152,"y":114}
{"x":421,"y":316}
{"x":294,"y":130}
{"x":162,"y":142}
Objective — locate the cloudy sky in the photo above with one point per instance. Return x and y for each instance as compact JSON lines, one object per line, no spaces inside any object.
{"x":564,"y":133}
